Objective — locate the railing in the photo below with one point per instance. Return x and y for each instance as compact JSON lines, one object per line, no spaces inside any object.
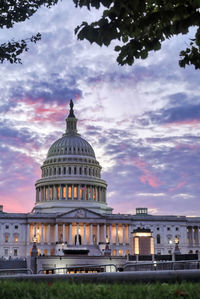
{"x":165,"y":265}
{"x":80,"y":268}
{"x":16,"y":270}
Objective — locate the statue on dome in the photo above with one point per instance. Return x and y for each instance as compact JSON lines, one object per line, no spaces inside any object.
{"x":71,"y":113}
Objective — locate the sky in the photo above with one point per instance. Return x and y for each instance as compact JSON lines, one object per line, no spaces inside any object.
{"x":143,"y":121}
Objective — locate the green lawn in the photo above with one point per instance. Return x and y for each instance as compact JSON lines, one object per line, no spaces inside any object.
{"x":61,"y":290}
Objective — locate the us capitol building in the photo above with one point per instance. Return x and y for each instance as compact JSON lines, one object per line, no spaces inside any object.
{"x":71,"y":214}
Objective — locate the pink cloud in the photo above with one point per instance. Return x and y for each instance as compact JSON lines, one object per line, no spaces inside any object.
{"x":190,"y":122}
{"x":146,"y":177}
{"x":180,"y":184}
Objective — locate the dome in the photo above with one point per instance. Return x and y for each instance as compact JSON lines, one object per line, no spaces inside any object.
{"x":71,"y":175}
{"x":71,"y":144}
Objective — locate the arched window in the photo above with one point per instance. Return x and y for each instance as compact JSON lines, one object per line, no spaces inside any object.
{"x":64,"y":170}
{"x":75,"y":170}
{"x":59,"y":170}
{"x":54,"y":171}
{"x":89,"y":171}
{"x":70,"y":170}
{"x":50,"y":171}
{"x":158,"y":239}
{"x":80,"y":171}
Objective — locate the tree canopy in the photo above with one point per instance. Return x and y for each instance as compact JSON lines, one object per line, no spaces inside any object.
{"x":14,"y":11}
{"x":141,"y":26}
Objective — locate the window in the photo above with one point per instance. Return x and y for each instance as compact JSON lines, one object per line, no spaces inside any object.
{"x":168,"y":228}
{"x":85,"y":171}
{"x":75,"y":192}
{"x":64,"y":170}
{"x":6,"y":251}
{"x":80,"y":171}
{"x":16,"y":226}
{"x":15,"y":252}
{"x":16,"y":239}
{"x":74,"y":170}
{"x":158,"y":239}
{"x":7,"y":226}
{"x":59,"y":170}
{"x":177,"y":228}
{"x":158,"y":228}
{"x":54,"y":171}
{"x":69,"y":191}
{"x":70,"y":171}
{"x":6,"y":238}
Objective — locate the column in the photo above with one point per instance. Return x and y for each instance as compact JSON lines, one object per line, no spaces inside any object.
{"x":70,"y":234}
{"x":98,"y":234}
{"x":128,"y":234}
{"x":91,"y":235}
{"x":78,"y":189}
{"x":53,"y":192}
{"x":198,"y":235}
{"x":61,"y":195}
{"x":42,"y":233}
{"x":49,"y":234}
{"x":117,"y":241}
{"x":72,"y":192}
{"x":77,"y":234}
{"x":84,"y":194}
{"x":27,"y":236}
{"x":63,"y":233}
{"x":56,"y":233}
{"x":66,"y":192}
{"x":192,"y":235}
{"x":37,"y":195}
{"x":84,"y":234}
{"x":110,"y":234}
{"x":124,"y":235}
{"x":48,"y":193}
{"x":104,"y":233}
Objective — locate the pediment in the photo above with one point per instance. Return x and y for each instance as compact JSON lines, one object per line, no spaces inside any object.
{"x":80,"y":213}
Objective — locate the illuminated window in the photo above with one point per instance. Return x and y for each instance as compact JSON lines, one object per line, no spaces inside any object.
{"x":120,"y":252}
{"x":52,"y":251}
{"x":64,"y":191}
{"x":127,"y":251}
{"x":114,"y":252}
{"x":45,"y":251}
{"x":16,"y":239}
{"x":6,"y":238}
{"x":94,"y":194}
{"x":89,"y":192}
{"x":81,"y":193}
{"x":75,"y":192}
{"x":70,"y":192}
{"x":136,"y":246}
{"x":46,"y":193}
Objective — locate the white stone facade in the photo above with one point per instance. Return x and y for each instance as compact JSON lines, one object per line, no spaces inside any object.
{"x":71,"y":210}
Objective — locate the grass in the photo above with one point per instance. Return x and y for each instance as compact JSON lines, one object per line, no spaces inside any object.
{"x":62,"y":290}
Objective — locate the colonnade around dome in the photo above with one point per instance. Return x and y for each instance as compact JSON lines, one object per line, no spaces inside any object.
{"x":70,"y":192}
